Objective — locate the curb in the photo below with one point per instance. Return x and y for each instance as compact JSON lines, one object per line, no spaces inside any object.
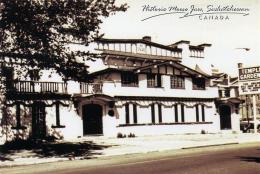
{"x":211,"y":145}
{"x":140,"y":152}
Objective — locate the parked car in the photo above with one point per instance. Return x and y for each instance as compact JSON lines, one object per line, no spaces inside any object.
{"x":247,"y":125}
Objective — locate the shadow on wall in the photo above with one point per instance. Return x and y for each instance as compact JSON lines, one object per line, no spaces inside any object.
{"x":6,"y":122}
{"x":9,"y":130}
{"x":44,"y":149}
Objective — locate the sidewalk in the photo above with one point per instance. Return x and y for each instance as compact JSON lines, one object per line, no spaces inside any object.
{"x":95,"y":147}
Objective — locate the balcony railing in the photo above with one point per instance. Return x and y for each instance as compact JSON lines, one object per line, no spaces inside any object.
{"x":90,"y":88}
{"x":38,"y":87}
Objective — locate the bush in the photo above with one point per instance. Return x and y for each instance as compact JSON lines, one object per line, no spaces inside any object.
{"x":131,"y":135}
{"x":203,"y":131}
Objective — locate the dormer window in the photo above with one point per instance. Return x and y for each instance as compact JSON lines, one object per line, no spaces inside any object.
{"x":198,"y":83}
{"x":129,"y":79}
{"x":154,"y":80}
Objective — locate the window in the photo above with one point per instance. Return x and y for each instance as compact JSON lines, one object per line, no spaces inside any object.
{"x":129,"y":79}
{"x":57,"y":108}
{"x":135,"y":112}
{"x":227,"y":93}
{"x":160,"y":112}
{"x":197,"y":113}
{"x":182,"y":113}
{"x":176,"y":113}
{"x":152,"y":113}
{"x":177,"y":82}
{"x":154,"y":81}
{"x":18,"y":115}
{"x":8,"y":73}
{"x":57,"y":105}
{"x":127,"y":120}
{"x":220,"y":93}
{"x":224,"y":93}
{"x":198,"y":83}
{"x":202,"y":113}
{"x":34,"y":74}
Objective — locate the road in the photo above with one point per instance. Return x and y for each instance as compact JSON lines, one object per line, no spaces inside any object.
{"x":229,"y":159}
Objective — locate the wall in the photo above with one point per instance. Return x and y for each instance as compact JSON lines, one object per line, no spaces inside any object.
{"x":144,"y":124}
{"x":138,"y":48}
{"x":167,"y":129}
{"x":68,"y":118}
{"x":235,"y":119}
{"x":188,"y":60}
{"x":114,"y":88}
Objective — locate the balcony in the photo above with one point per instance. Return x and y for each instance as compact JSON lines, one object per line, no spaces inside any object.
{"x":37,"y":87}
{"x":91,"y":88}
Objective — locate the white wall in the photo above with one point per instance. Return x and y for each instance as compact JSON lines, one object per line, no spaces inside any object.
{"x":114,"y":88}
{"x":70,"y":119}
{"x":235,"y":122}
{"x":167,"y":129}
{"x":168,"y":116}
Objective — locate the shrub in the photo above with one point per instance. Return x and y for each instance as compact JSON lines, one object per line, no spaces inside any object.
{"x":120,"y":135}
{"x":131,"y":135}
{"x":203,"y":131}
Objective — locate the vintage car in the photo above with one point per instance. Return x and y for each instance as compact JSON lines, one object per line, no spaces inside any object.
{"x":248,"y":125}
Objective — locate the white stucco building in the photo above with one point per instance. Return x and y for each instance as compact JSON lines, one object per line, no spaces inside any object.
{"x":141,"y":87}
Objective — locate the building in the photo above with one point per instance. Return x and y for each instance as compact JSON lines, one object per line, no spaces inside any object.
{"x":246,"y":109}
{"x":141,"y":87}
{"x":228,"y":101}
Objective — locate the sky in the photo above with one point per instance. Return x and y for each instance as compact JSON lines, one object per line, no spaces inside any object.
{"x":226,"y":36}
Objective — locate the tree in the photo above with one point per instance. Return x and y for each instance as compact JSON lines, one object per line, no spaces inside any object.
{"x":35,"y":33}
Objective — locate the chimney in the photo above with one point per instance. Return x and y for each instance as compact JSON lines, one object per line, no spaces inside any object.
{"x":147,"y":38}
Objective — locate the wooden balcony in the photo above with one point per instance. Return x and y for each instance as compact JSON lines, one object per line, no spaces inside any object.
{"x":37,"y":87}
{"x":91,"y":88}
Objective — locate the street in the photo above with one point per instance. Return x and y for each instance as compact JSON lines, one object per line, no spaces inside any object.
{"x":239,"y":158}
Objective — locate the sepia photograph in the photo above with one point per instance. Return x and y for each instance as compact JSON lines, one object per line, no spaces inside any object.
{"x":130,"y":86}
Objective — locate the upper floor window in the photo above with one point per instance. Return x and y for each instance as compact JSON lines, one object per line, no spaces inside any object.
{"x":198,"y":83}
{"x":154,"y":81}
{"x":224,"y":93}
{"x":177,"y":82}
{"x":129,"y":79}
{"x":227,"y":93}
{"x":8,"y":72}
{"x":34,"y":74}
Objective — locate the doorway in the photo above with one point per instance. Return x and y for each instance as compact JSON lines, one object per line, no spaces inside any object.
{"x":38,"y":120}
{"x":92,"y":119}
{"x":225,"y":117}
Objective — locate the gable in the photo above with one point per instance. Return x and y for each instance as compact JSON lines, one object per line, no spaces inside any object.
{"x":171,"y":68}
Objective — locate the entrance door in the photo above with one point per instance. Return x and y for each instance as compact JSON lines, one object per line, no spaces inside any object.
{"x":92,"y":119}
{"x":225,"y":117}
{"x":38,"y":120}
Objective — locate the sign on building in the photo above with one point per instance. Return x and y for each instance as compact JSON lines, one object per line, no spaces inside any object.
{"x":249,"y":80}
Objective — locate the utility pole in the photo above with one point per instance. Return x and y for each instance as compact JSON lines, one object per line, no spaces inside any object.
{"x":254,"y":113}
